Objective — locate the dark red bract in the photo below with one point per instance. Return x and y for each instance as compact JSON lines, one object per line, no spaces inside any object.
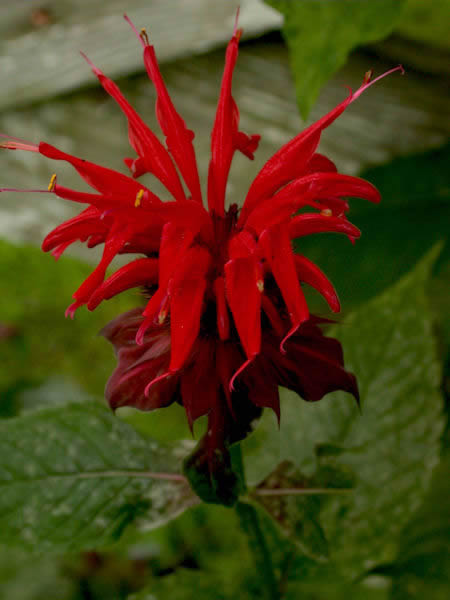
{"x":226,"y":322}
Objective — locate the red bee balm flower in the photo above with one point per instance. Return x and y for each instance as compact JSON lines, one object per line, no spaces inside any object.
{"x":227,"y":321}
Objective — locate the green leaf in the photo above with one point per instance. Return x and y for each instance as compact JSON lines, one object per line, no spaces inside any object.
{"x":73,"y":478}
{"x":392,"y":447}
{"x":422,"y":566}
{"x":217,"y":480}
{"x":320,"y":35}
{"x":185,"y":584}
{"x":37,"y":292}
{"x":426,"y":22}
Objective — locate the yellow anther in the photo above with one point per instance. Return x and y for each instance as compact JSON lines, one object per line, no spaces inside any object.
{"x":162,"y":316}
{"x":139,"y":196}
{"x":144,"y":36}
{"x":260,"y":285}
{"x":368,"y":76}
{"x":326,"y":212}
{"x":51,"y":185}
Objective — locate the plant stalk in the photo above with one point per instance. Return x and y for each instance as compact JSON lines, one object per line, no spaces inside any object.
{"x":250,"y":523}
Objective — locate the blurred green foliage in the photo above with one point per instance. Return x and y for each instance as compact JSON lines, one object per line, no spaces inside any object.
{"x":320,"y":36}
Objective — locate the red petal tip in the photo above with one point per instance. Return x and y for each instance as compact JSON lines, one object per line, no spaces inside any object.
{"x":70,"y":310}
{"x":135,"y":29}
{"x":91,"y":64}
{"x":156,"y":380}
{"x":236,"y":20}
{"x":238,"y":372}
{"x":286,"y":337}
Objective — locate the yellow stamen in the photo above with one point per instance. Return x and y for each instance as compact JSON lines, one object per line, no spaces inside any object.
{"x":368,"y":76}
{"x":51,"y":185}
{"x":326,"y":212}
{"x":260,"y":285}
{"x":139,"y":196}
{"x":162,"y":316}
{"x":144,"y":36}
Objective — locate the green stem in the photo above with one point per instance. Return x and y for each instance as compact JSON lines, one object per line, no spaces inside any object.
{"x":249,"y":519}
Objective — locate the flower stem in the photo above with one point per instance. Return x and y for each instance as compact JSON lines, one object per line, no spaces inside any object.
{"x":250,"y":523}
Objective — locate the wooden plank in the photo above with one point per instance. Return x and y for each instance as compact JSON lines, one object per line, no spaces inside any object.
{"x":39,"y":47}
{"x":399,"y":115}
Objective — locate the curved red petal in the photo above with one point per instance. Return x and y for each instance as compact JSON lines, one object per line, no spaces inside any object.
{"x":310,"y":273}
{"x":276,"y":246}
{"x":154,"y":156}
{"x":178,"y":136}
{"x":142,"y":271}
{"x":242,"y":277}
{"x":314,"y":223}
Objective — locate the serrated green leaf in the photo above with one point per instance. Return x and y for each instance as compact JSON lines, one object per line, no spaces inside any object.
{"x":393,"y":446}
{"x":74,"y":478}
{"x":321,"y":34}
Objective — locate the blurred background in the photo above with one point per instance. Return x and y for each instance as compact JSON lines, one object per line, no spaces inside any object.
{"x":396,"y":136}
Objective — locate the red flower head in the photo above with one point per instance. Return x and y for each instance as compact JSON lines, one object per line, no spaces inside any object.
{"x":226,"y":322}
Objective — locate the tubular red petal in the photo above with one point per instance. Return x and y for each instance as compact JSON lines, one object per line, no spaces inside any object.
{"x":79,"y":227}
{"x":223,"y":319}
{"x":242,"y":276}
{"x":113,"y":243}
{"x":104,"y":180}
{"x":320,"y":163}
{"x":226,"y":137}
{"x":310,"y":190}
{"x":335,"y":184}
{"x":178,"y":136}
{"x":310,"y":273}
{"x":186,"y":304}
{"x":142,"y":271}
{"x":155,"y":157}
{"x":276,"y":246}
{"x":313,"y":223}
{"x":285,"y":165}
{"x":292,"y":159}
{"x":175,"y":242}
{"x":289,"y":162}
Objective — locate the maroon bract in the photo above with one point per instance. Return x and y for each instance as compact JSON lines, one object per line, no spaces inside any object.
{"x":226,"y":322}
